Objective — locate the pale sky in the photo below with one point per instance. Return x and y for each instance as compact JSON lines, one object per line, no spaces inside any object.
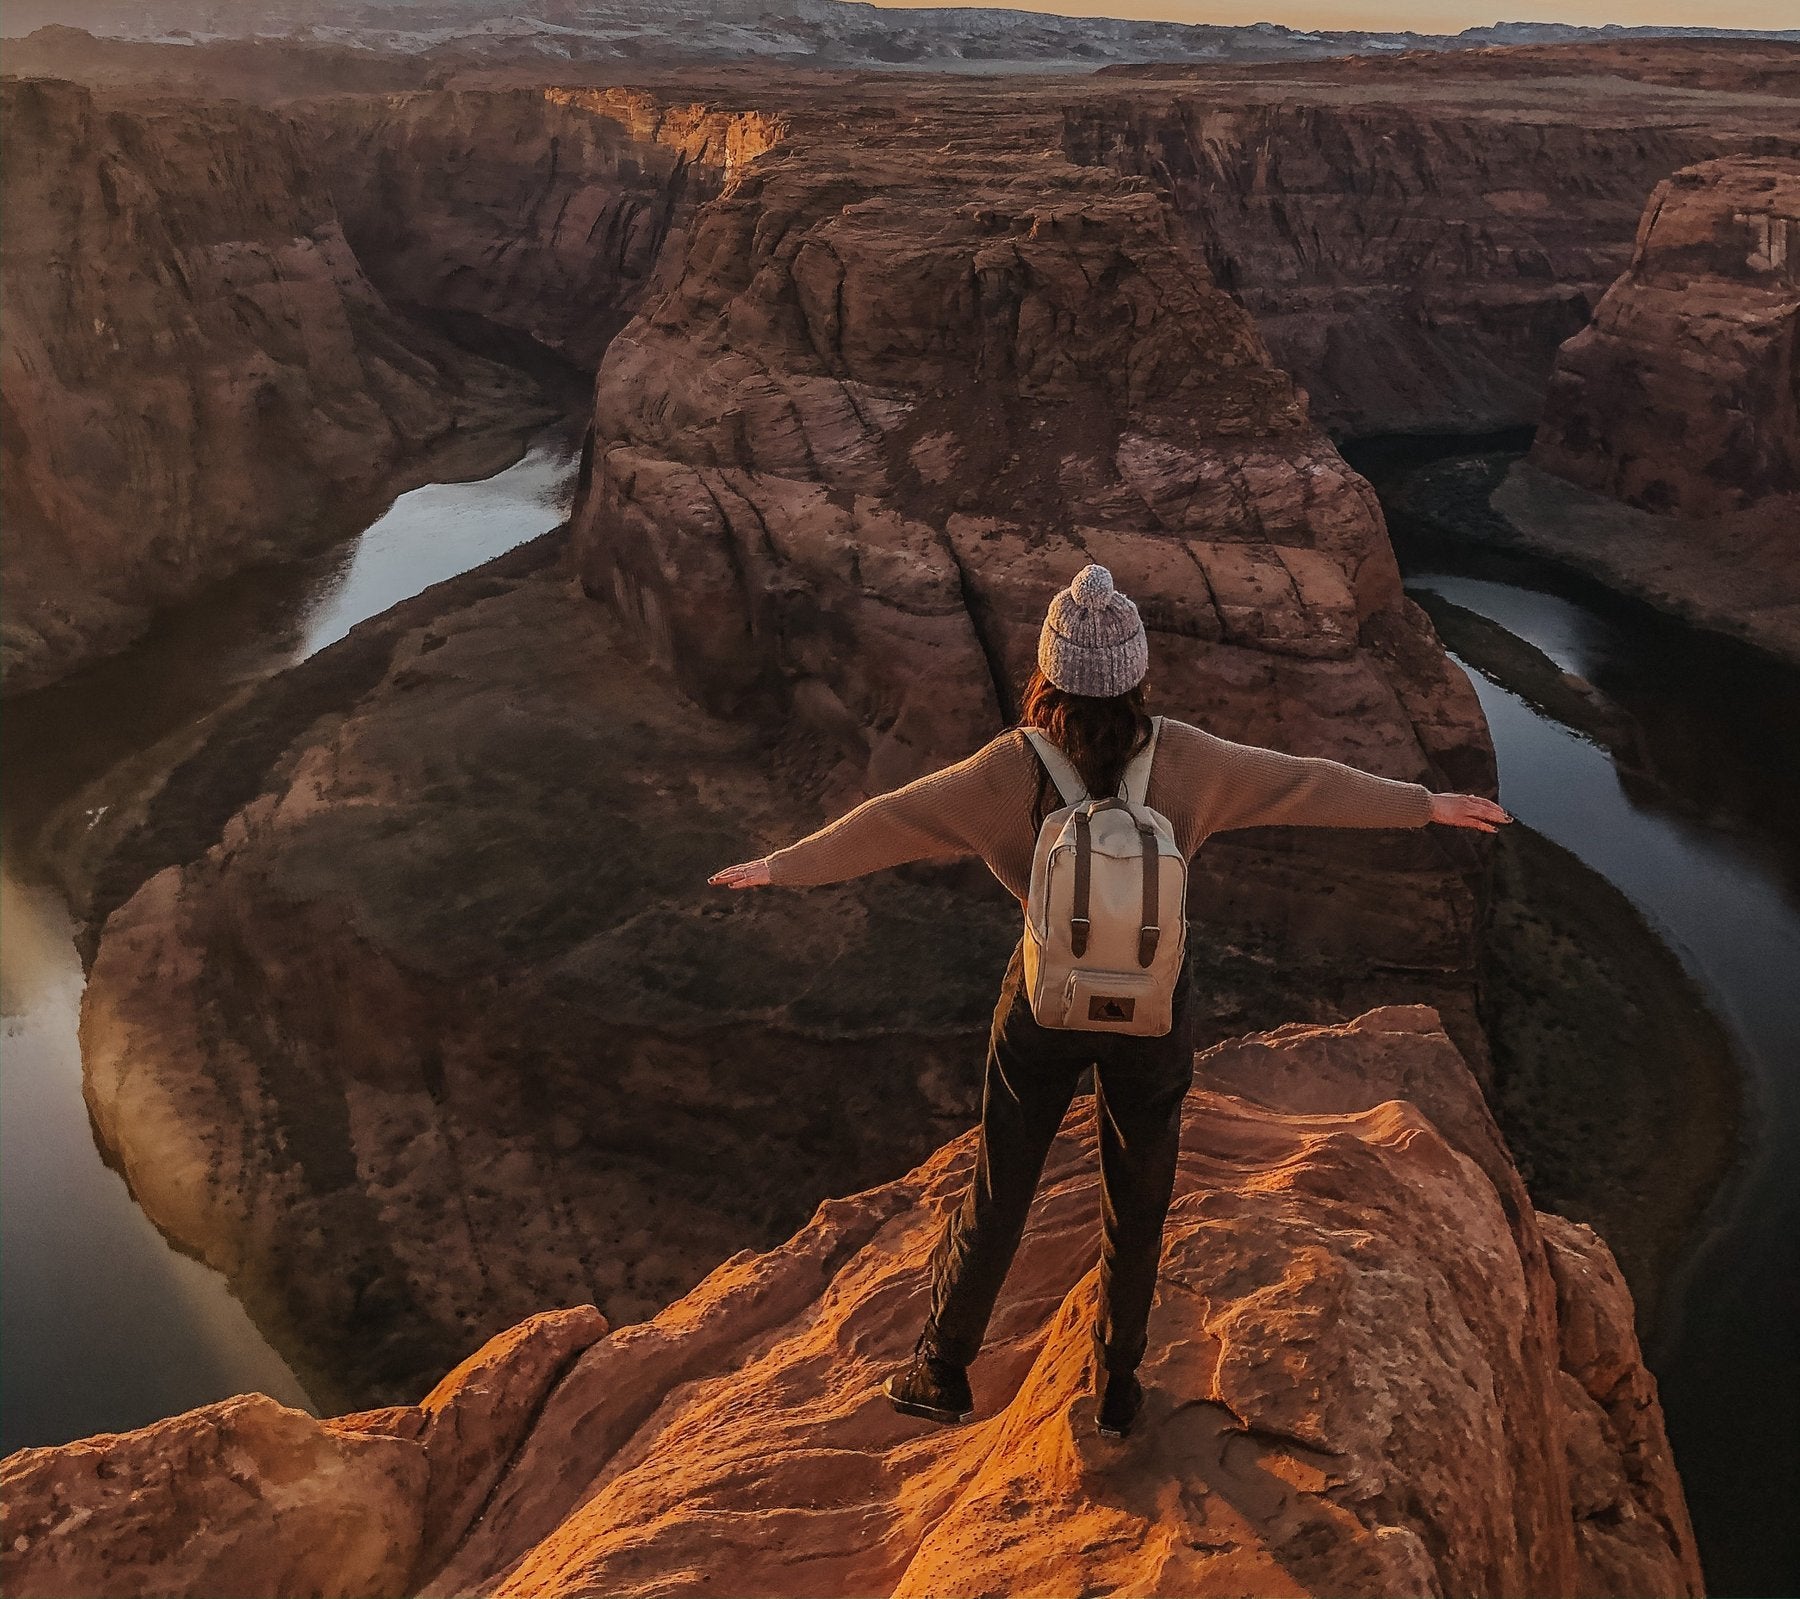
{"x":1427,"y":16}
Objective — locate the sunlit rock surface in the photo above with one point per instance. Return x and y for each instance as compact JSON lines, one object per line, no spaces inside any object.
{"x":1373,"y":1369}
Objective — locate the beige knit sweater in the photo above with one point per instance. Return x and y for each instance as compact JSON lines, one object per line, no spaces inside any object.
{"x":983,"y":806}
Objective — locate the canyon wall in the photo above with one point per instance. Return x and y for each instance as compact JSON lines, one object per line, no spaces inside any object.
{"x":1373,"y":1369}
{"x":425,"y":1018}
{"x":540,"y":210}
{"x":1683,"y":395}
{"x":410,"y":1010}
{"x":414,"y":944}
{"x":898,"y":386}
{"x":1413,"y":257}
{"x":1668,"y":462}
{"x":196,"y":374}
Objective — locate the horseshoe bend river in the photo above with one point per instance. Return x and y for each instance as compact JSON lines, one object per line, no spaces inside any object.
{"x":106,"y":1327}
{"x":1706,"y":845}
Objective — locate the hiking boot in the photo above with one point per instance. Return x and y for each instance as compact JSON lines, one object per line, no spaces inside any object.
{"x":931,"y":1386}
{"x":1121,"y":1398}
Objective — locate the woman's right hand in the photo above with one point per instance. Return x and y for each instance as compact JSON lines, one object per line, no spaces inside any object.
{"x":1467,"y":810}
{"x":746,"y":874}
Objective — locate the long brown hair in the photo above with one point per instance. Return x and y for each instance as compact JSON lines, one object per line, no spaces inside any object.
{"x":1099,"y":736}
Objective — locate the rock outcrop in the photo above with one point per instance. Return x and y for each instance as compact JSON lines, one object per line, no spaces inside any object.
{"x":1373,"y":1369}
{"x":540,"y":210}
{"x":1683,"y":395}
{"x":897,"y":386}
{"x":1668,"y":463}
{"x":196,"y":375}
{"x":1414,"y":255}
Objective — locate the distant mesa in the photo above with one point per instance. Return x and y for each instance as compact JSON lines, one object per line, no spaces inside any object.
{"x":807,"y":32}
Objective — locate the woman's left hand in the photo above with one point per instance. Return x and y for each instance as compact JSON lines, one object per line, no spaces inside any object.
{"x":1467,"y":810}
{"x":746,"y":874}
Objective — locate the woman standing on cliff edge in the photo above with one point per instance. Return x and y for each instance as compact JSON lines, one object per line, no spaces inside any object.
{"x":1087,"y":698}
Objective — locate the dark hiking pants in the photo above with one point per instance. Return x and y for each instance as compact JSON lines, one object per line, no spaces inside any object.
{"x":1032,"y":1074}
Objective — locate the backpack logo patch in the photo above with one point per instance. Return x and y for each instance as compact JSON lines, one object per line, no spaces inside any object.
{"x":1110,"y":1008}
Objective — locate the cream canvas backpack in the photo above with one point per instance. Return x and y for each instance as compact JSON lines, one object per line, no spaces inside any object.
{"x":1106,"y":918}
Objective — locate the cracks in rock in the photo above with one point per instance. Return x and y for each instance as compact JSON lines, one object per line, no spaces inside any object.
{"x":422,"y":1573}
{"x":977,"y":611}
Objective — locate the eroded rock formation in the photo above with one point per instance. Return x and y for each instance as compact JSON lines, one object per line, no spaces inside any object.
{"x":1413,"y":259}
{"x":1373,"y":1369}
{"x":196,"y":374}
{"x":1683,"y":396}
{"x":891,"y":397}
{"x":541,"y":210}
{"x":1668,"y":463}
{"x":1413,"y":256}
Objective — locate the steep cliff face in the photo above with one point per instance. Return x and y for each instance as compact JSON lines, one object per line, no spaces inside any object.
{"x":896,"y":391}
{"x":1373,"y":1369}
{"x":1668,"y":462}
{"x":196,"y":374}
{"x":426,"y":1019}
{"x":1683,"y":395}
{"x":1414,"y":265}
{"x":542,"y":210}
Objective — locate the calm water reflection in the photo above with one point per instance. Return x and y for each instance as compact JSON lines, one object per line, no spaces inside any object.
{"x":104,"y":1326}
{"x":1709,"y":851}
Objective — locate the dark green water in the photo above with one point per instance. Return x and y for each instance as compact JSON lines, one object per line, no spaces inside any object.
{"x":1707,"y":845}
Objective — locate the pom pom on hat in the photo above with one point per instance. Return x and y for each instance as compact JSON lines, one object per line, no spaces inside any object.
{"x":1093,"y":639}
{"x":1093,"y":586}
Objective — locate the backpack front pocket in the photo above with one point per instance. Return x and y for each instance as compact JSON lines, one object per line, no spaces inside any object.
{"x":1116,"y":1002}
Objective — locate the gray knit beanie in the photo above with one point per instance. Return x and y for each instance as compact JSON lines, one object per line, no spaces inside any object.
{"x":1093,"y":640}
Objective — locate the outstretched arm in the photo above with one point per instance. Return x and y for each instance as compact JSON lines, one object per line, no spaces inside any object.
{"x":934,"y":817}
{"x":1245,"y":785}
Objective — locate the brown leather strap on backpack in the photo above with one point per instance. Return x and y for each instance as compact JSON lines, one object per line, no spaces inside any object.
{"x":1150,"y":933}
{"x":1084,"y":872}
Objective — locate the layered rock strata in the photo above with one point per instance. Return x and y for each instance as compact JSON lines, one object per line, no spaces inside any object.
{"x":1682,"y":396}
{"x":540,"y":210}
{"x":1414,"y":258}
{"x":1373,"y":1369}
{"x":196,"y":374}
{"x":887,"y":402}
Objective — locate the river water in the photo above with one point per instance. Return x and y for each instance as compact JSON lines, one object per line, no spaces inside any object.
{"x":103,"y":1324}
{"x":1710,"y":853}
{"x":106,"y":1327}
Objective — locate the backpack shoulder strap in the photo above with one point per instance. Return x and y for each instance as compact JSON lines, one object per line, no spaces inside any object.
{"x":1136,"y":783}
{"x":1062,"y":773}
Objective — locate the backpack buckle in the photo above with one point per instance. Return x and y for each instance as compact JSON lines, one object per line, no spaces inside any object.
{"x":1078,"y":935}
{"x":1148,"y":939}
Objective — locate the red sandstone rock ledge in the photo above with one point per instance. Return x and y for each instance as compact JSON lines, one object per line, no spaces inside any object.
{"x":1374,"y":1370}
